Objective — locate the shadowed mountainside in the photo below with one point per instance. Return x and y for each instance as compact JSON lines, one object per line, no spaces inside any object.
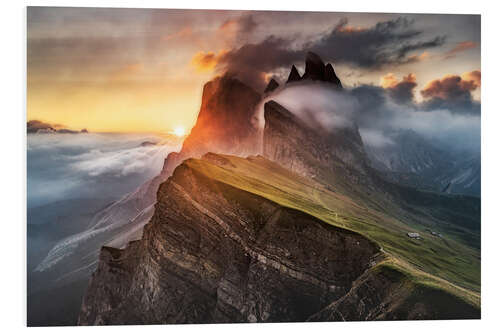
{"x":309,"y":231}
{"x":412,"y":160}
{"x":251,"y":240}
{"x":244,"y":240}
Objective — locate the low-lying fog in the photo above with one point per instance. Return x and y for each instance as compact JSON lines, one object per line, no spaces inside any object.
{"x":376,"y":115}
{"x":91,"y":165}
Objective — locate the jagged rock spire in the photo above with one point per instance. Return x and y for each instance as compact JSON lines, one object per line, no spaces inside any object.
{"x":330,"y":76}
{"x":271,"y":86}
{"x":315,"y":67}
{"x":294,"y":75}
{"x":315,"y":70}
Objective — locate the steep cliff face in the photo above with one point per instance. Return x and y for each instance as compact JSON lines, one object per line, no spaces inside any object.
{"x":385,"y":293}
{"x":216,"y":253}
{"x":225,"y":245}
{"x":293,"y":236}
{"x":288,"y":141}
{"x":225,"y":123}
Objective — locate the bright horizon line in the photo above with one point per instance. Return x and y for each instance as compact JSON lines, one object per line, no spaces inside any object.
{"x":172,"y":129}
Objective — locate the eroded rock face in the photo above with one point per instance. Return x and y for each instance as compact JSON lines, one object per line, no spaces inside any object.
{"x":288,"y":141}
{"x":225,"y":123}
{"x":215,"y":253}
{"x":386,"y":294}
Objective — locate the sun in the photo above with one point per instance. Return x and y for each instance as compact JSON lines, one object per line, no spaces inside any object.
{"x":179,"y":131}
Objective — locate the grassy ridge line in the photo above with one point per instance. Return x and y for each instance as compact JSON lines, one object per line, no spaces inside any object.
{"x":269,"y":180}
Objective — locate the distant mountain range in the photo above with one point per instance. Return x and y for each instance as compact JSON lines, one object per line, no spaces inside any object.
{"x":37,"y":126}
{"x":413,"y":160}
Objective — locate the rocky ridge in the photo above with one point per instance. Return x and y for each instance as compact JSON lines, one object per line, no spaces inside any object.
{"x":316,"y":70}
{"x":215,"y":251}
{"x":210,"y":255}
{"x":306,"y":150}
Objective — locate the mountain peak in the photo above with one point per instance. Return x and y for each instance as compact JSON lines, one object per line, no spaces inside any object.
{"x":294,"y":75}
{"x":271,"y":86}
{"x":315,"y":67}
{"x":330,"y":75}
{"x":316,"y":70}
{"x":225,"y":122}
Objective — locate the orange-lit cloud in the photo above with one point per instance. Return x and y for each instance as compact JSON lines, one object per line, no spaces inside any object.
{"x":474,"y":76}
{"x":460,"y":47}
{"x":401,"y":91}
{"x":453,"y":86}
{"x":145,"y":72}
{"x":206,"y":61}
{"x":351,"y":29}
{"x":419,"y":57}
{"x":390,"y":80}
{"x":456,"y":93}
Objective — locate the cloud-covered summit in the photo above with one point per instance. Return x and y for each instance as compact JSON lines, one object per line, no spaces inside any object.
{"x":385,"y":44}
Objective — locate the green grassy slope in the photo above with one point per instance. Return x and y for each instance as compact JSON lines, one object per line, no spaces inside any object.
{"x":445,"y":264}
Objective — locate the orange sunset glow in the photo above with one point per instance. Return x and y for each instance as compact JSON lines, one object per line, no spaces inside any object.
{"x":143,"y":70}
{"x":195,"y":166}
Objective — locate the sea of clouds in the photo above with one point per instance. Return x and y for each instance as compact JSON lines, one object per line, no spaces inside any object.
{"x":91,"y":165}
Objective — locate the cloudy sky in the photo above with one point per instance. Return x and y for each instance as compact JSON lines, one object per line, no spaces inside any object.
{"x":143,"y":70}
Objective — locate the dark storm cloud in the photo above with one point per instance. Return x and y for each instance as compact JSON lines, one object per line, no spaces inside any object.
{"x":252,"y":61}
{"x":387,"y":43}
{"x":401,"y":54}
{"x":372,"y":108}
{"x":271,"y":53}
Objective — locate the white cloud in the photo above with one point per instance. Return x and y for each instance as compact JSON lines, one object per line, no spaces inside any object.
{"x":64,"y":166}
